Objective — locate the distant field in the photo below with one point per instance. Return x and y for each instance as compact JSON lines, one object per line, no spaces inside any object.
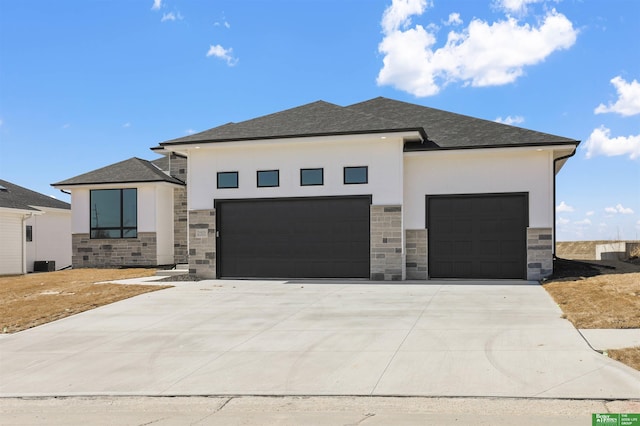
{"x":580,"y":250}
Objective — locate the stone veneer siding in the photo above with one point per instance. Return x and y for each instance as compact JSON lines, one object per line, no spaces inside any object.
{"x":178,"y":169}
{"x":202,"y":243}
{"x":539,"y":253}
{"x":387,"y":254}
{"x":416,"y":254}
{"x":114,"y":252}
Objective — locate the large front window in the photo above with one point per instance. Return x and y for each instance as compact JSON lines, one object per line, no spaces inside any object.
{"x":114,"y":213}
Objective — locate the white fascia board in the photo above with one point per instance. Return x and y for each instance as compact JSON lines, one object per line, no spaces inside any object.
{"x":123,"y":185}
{"x":51,"y":209}
{"x":184,"y":149}
{"x":23,"y":212}
{"x":558,"y":150}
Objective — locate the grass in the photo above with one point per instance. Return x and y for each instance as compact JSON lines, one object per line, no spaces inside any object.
{"x":30,"y":300}
{"x":602,"y":301}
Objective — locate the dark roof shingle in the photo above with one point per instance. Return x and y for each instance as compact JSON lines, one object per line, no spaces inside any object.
{"x":17,"y":197}
{"x":133,"y":170}
{"x":441,"y":129}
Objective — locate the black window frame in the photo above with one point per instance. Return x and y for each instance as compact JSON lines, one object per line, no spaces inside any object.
{"x":268,"y":171}
{"x":122,"y":229}
{"x":227,"y":187}
{"x":321,"y":169}
{"x":366,"y":175}
{"x":29,"y":233}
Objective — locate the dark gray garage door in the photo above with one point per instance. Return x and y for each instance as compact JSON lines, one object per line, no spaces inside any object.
{"x":294,"y":238}
{"x":477,"y":236}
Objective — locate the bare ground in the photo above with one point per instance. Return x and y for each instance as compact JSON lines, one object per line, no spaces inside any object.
{"x":30,"y":300}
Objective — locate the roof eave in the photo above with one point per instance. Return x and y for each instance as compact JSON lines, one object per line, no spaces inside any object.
{"x":62,"y":185}
{"x":468,"y":147}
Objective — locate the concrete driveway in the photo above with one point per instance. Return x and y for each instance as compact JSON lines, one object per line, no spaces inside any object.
{"x":316,"y":338}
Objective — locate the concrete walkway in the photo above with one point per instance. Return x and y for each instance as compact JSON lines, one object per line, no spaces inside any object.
{"x":322,"y":338}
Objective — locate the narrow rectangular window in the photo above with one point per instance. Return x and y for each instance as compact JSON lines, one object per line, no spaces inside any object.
{"x":268,"y":178}
{"x":356,"y":175}
{"x":29,"y":233}
{"x":227,"y":180}
{"x":114,"y":213}
{"x":310,"y":177}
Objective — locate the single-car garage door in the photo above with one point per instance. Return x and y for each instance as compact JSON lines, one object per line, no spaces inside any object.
{"x":294,"y":238}
{"x":477,"y":236}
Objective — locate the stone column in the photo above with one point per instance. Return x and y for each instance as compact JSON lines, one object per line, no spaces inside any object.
{"x":178,"y":169}
{"x":387,"y":255}
{"x":416,"y":253}
{"x":202,"y":243}
{"x":539,"y":253}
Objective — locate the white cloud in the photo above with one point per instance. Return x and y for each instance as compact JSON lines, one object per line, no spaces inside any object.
{"x":157,"y":4}
{"x":482,"y":54}
{"x":454,"y":19}
{"x":619,"y":208}
{"x":172,"y":17}
{"x":590,"y":213}
{"x":224,"y":23}
{"x":66,"y":126}
{"x":562,"y":221}
{"x":601,"y":143}
{"x":222,"y":53}
{"x":126,"y":125}
{"x":628,"y":102}
{"x":563,"y":207}
{"x":518,"y":119}
{"x":583,"y":222}
{"x":515,"y":6}
{"x":189,"y":131}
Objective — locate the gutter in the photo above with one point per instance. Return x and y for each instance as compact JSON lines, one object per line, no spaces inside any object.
{"x":575,"y":150}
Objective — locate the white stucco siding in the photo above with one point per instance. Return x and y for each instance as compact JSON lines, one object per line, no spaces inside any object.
{"x":11,"y":243}
{"x":164,"y":224}
{"x":479,"y":171}
{"x":80,"y":206}
{"x":51,"y":237}
{"x":383,"y":157}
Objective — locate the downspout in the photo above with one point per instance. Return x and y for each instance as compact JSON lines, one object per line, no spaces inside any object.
{"x":575,"y":150}
{"x":24,"y":242}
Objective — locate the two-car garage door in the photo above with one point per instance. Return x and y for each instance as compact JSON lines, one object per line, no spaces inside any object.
{"x":477,"y":236}
{"x":294,"y":238}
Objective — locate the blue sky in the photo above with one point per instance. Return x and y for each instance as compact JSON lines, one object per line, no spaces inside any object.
{"x":85,"y":83}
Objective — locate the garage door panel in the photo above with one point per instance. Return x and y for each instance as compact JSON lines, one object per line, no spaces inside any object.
{"x":477,"y":236}
{"x":294,"y":238}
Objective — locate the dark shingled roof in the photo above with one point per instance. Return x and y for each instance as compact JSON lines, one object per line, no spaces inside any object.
{"x":17,"y":197}
{"x":315,"y":119}
{"x":133,"y":170}
{"x":440,"y":129}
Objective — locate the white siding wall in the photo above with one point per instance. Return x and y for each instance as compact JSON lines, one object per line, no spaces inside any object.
{"x":479,"y":171}
{"x":164,"y":224}
{"x":11,"y":238}
{"x":382,"y":156}
{"x":51,"y":238}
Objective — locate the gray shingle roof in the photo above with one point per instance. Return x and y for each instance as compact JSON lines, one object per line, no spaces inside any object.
{"x":16,"y":197}
{"x":441,"y":129}
{"x":133,"y":170}
{"x":450,"y":130}
{"x":314,"y":119}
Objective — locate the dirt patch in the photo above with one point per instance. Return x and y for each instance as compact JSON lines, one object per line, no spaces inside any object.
{"x":629,"y":356}
{"x":30,"y":300}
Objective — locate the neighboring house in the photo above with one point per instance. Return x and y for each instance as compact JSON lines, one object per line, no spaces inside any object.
{"x":382,"y":189}
{"x":33,"y":227}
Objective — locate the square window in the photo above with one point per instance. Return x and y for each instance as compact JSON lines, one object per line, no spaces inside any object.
{"x":355,"y":175}
{"x":227,"y":180}
{"x":268,"y":178}
{"x":114,"y":213}
{"x":310,"y":177}
{"x":29,"y":233}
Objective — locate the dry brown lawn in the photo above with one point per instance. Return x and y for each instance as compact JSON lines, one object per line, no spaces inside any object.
{"x":603,"y":301}
{"x":30,"y":300}
{"x":629,"y":356}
